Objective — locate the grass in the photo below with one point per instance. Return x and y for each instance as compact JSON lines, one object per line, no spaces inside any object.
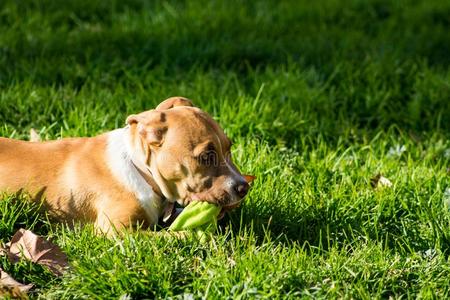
{"x":318,"y":97}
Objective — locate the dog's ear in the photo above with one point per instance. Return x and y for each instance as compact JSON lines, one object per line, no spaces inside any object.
{"x":174,"y":102}
{"x":151,"y":126}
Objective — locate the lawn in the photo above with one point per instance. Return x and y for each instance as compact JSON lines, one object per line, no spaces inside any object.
{"x":318,"y":97}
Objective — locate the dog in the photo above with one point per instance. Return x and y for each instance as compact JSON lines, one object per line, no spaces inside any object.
{"x":175,"y":153}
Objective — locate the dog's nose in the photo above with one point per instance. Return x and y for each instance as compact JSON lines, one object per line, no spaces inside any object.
{"x":241,"y":188}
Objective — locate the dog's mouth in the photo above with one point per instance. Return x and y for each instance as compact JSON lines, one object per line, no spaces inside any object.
{"x":228,"y":208}
{"x":171,"y":212}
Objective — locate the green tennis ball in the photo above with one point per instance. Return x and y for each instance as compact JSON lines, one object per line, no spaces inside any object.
{"x":197,"y":214}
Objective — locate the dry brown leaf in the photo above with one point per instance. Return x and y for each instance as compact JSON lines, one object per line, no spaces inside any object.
{"x":26,"y":244}
{"x":380,"y":181}
{"x":9,"y":286}
{"x":249,"y":178}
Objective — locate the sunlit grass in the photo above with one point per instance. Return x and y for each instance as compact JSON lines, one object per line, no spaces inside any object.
{"x":318,"y":99}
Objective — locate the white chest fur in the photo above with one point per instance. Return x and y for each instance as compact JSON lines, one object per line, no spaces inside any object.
{"x":118,"y":153}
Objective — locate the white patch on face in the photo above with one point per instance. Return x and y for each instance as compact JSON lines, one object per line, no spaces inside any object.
{"x":118,"y":155}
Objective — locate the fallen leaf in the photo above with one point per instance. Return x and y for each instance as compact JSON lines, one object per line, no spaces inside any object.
{"x":26,"y":244}
{"x":396,"y":151}
{"x":9,"y":286}
{"x":380,"y":181}
{"x":34,"y":135}
{"x":249,"y":178}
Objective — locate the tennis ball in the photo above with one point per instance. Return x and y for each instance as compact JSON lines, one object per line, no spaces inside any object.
{"x":198,"y":214}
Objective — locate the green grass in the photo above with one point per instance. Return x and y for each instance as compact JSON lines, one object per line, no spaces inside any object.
{"x":318,"y":98}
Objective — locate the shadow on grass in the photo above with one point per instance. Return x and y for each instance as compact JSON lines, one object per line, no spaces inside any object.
{"x":369,"y":60}
{"x":18,"y":211}
{"x":324,"y":227}
{"x":71,"y":42}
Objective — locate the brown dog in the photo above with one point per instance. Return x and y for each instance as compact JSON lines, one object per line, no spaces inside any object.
{"x":174,"y":153}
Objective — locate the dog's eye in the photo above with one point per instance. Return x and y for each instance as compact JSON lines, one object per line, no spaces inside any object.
{"x":208,"y":158}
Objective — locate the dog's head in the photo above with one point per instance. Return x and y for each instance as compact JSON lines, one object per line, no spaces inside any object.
{"x":188,"y":154}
